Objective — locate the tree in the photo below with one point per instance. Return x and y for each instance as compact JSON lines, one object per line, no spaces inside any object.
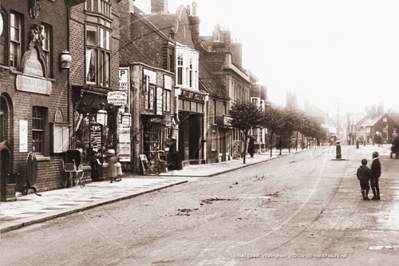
{"x":272,"y":119}
{"x":245,"y":115}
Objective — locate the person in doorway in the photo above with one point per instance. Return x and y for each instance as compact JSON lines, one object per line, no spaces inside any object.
{"x":364,"y":175}
{"x":375,"y":175}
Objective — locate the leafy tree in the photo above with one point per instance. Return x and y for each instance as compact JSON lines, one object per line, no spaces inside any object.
{"x":245,"y":115}
{"x":273,"y":120}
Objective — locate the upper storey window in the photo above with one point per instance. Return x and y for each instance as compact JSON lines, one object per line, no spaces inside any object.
{"x":187,"y":68}
{"x":99,"y":6}
{"x":15,"y":39}
{"x":3,"y":30}
{"x":98,"y":55}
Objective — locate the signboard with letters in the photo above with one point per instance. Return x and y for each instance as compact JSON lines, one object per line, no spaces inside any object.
{"x":167,"y":82}
{"x":35,"y":85}
{"x":159,"y":101}
{"x":152,"y":75}
{"x":117,"y":98}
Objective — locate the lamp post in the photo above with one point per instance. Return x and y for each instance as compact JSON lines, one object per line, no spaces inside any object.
{"x":102,"y":115}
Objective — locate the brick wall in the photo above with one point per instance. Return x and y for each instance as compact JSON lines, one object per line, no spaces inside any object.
{"x":76,"y":44}
{"x":54,"y":14}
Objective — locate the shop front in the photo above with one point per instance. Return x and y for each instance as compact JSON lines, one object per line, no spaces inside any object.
{"x":191,"y":127}
{"x":95,"y":127}
{"x":153,"y":119}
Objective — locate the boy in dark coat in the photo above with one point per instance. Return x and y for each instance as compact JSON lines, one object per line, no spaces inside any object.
{"x":375,"y":175}
{"x":364,"y":175}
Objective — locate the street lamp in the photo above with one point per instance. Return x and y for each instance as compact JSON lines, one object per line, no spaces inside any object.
{"x":102,"y":115}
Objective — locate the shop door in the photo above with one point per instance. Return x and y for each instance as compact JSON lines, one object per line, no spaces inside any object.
{"x":195,"y":136}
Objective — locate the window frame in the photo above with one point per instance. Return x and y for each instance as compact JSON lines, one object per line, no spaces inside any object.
{"x":39,"y":131}
{"x":18,"y":43}
{"x":103,"y":52}
{"x":4,"y":36}
{"x":48,"y":52}
{"x":103,"y":7}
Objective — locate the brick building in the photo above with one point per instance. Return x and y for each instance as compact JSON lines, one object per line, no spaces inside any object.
{"x":94,"y":45}
{"x":162,"y":44}
{"x":36,"y":108}
{"x":221,"y":58}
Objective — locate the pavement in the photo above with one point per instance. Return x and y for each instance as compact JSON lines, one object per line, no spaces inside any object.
{"x":30,"y":209}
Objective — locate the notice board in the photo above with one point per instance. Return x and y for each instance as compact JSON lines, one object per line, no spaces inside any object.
{"x":144,"y":164}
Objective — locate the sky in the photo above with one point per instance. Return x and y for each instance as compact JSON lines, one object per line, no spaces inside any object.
{"x":329,"y":52}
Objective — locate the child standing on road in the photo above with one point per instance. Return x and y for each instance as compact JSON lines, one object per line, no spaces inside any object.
{"x":375,"y":175}
{"x":364,"y":175}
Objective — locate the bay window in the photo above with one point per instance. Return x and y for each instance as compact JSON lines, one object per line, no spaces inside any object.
{"x":98,"y":55}
{"x":99,"y":6}
{"x":180,"y":69}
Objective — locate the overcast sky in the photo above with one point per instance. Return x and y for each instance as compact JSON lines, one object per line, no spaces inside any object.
{"x":320,"y":49}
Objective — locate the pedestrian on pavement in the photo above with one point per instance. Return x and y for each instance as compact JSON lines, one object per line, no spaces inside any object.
{"x":375,"y":175}
{"x":251,"y":147}
{"x":112,"y":160}
{"x":364,"y":175}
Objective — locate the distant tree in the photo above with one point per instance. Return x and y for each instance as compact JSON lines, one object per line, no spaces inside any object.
{"x":245,"y":115}
{"x":273,"y":120}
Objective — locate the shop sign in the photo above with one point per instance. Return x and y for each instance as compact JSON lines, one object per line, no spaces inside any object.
{"x":187,"y":94}
{"x":198,"y":97}
{"x":124,"y":152}
{"x":23,"y":136}
{"x":124,"y":79}
{"x":152,"y":75}
{"x":167,"y":82}
{"x":35,"y":85}
{"x":227,"y":121}
{"x":117,"y":98}
{"x":159,"y":101}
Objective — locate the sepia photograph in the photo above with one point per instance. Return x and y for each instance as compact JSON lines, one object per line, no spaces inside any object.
{"x":199,"y":132}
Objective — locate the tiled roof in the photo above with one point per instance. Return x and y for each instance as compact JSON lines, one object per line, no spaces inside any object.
{"x":394,"y":117}
{"x":210,"y":62}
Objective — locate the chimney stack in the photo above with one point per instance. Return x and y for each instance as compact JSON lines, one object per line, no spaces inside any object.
{"x":194,"y":21}
{"x":159,"y":6}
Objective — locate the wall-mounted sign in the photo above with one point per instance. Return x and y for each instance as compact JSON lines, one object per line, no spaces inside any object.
{"x":35,"y":85}
{"x":23,"y":136}
{"x":167,"y":82}
{"x":124,"y":79}
{"x":117,"y":98}
{"x":152,"y":75}
{"x":159,"y":101}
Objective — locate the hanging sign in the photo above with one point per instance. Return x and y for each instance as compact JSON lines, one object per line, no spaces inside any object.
{"x":117,"y":98}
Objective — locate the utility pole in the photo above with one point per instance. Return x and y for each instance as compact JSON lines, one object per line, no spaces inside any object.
{"x":338,"y":106}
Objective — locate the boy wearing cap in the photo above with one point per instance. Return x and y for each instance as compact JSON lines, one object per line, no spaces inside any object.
{"x":364,"y":175}
{"x":375,"y":175}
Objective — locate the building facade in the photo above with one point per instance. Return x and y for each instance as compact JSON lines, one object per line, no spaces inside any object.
{"x":94,"y":42}
{"x":36,"y":109}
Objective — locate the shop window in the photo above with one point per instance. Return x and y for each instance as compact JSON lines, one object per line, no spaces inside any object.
{"x":99,"y":6}
{"x":38,"y":126}
{"x":46,"y":46}
{"x":98,"y":55}
{"x":180,"y":69}
{"x":3,"y":34}
{"x":15,"y":39}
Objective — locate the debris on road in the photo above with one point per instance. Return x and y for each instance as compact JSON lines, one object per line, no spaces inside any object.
{"x":184,"y":212}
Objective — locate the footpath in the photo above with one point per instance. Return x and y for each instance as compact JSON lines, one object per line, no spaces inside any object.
{"x":30,"y":209}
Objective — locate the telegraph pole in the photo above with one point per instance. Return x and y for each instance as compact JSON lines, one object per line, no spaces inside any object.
{"x":338,"y":106}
